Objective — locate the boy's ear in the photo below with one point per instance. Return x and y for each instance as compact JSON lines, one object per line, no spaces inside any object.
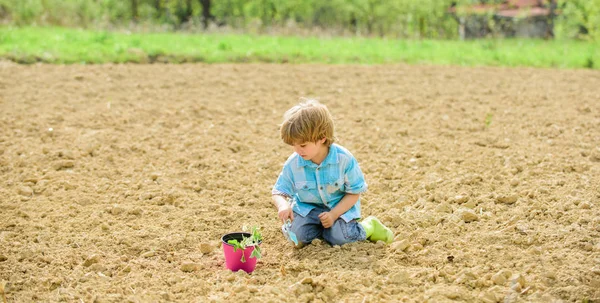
{"x":323,"y":140}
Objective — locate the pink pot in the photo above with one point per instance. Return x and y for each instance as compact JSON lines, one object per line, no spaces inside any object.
{"x":233,"y":257}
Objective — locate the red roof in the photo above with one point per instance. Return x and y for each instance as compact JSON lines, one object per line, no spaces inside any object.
{"x":526,"y":12}
{"x":510,"y":8}
{"x":524,"y":3}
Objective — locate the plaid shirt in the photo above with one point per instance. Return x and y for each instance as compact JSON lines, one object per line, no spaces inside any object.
{"x":326,"y":184}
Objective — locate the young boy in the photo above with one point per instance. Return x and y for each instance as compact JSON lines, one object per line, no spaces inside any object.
{"x":324,"y":182}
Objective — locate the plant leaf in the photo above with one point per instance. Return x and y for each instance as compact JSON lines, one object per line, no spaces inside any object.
{"x":236,"y":245}
{"x":256,"y":253}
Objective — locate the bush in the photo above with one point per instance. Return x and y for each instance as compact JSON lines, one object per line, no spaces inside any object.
{"x":401,"y":18}
{"x":579,"y":19}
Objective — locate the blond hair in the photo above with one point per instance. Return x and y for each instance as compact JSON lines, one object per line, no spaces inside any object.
{"x":309,"y":121}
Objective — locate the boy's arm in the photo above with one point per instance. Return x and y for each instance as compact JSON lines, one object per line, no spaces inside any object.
{"x":282,"y":191}
{"x":327,"y":218}
{"x":284,"y":209}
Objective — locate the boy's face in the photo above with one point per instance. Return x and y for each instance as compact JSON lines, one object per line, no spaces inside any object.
{"x":313,"y":151}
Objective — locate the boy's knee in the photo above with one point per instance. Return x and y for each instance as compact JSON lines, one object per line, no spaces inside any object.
{"x":305,"y":234}
{"x":336,"y":239}
{"x":336,"y":236}
{"x":343,"y":233}
{"x":303,"y":239}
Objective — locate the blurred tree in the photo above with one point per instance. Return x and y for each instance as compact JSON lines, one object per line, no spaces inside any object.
{"x":184,"y":11}
{"x":207,"y":16}
{"x":158,"y":9}
{"x":134,"y":10}
{"x":552,"y":4}
{"x":579,"y":18}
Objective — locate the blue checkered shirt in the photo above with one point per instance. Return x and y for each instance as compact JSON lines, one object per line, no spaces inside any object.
{"x":309,"y":184}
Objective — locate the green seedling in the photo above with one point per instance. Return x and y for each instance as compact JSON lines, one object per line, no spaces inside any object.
{"x":488,"y":120}
{"x":253,"y":240}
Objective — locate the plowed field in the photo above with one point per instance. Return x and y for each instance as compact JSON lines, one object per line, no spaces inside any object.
{"x":117,"y":182}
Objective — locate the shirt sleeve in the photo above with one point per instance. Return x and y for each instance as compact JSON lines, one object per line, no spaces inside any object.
{"x":354,"y":180}
{"x":284,"y":185}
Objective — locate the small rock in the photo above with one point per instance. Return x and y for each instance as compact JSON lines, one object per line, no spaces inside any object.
{"x":40,"y":186}
{"x":307,"y":280}
{"x":507,"y":199}
{"x":465,"y":276}
{"x":444,"y":208}
{"x":66,"y":154}
{"x":549,"y":274}
{"x":453,"y":294}
{"x":534,"y":250}
{"x":31,"y":179}
{"x":206,"y":248}
{"x":430,"y":186}
{"x":43,"y":259}
{"x":136,"y":211}
{"x":595,"y":156}
{"x":190,"y":267}
{"x":97,"y":267}
{"x":499,"y":278}
{"x":517,"y":282}
{"x":401,"y":245}
{"x":460,"y":199}
{"x":148,"y":254}
{"x":25,"y":191}
{"x":64,"y":164}
{"x":146,"y":196}
{"x":230,"y":277}
{"x":595,"y":283}
{"x":93,"y":259}
{"x":304,"y":292}
{"x":154,"y":176}
{"x":240,"y":288}
{"x":165,"y":295}
{"x":470,"y":204}
{"x":360,"y":260}
{"x":116,"y":210}
{"x":400,"y":277}
{"x":3,"y":258}
{"x":416,"y":246}
{"x":467,"y":215}
{"x":488,"y":297}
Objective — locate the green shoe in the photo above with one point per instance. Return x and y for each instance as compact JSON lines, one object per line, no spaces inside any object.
{"x":376,"y":231}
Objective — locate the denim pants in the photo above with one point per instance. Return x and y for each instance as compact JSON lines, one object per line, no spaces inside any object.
{"x":309,"y":228}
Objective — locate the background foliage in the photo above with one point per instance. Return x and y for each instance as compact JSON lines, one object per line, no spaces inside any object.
{"x":399,"y":18}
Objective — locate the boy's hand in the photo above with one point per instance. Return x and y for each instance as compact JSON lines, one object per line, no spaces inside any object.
{"x":327,"y":219}
{"x":285,"y":212}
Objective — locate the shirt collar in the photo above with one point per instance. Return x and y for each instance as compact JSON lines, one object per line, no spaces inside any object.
{"x":332,"y":157}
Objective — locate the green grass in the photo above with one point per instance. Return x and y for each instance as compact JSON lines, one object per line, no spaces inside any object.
{"x":62,"y":45}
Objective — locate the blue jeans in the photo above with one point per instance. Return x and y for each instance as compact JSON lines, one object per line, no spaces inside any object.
{"x":309,"y":228}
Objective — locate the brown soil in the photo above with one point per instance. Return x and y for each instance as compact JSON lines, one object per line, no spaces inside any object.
{"x":117,"y":182}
